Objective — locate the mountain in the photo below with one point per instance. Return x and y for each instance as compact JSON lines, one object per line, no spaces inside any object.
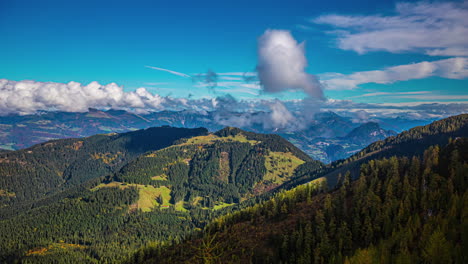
{"x":323,"y":139}
{"x":339,"y":147}
{"x":47,"y":168}
{"x":408,"y":205}
{"x":368,"y":133}
{"x":17,"y":132}
{"x":407,"y":143}
{"x":124,"y":190}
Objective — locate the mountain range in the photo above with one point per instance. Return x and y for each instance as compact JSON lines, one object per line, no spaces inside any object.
{"x":325,"y":139}
{"x":401,"y":200}
{"x":176,"y":178}
{"x":180,"y":195}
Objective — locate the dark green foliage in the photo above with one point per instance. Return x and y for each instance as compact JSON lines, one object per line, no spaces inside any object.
{"x":400,"y":210}
{"x":411,"y":142}
{"x":100,"y":221}
{"x":107,"y":221}
{"x":273,"y":142}
{"x":57,"y":165}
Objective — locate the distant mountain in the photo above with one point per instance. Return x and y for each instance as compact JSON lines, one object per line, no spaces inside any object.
{"x":17,"y":132}
{"x":368,"y":133}
{"x":407,"y":143}
{"x":323,"y":139}
{"x":124,"y":190}
{"x":408,"y":208}
{"x":329,"y":125}
{"x":339,"y":147}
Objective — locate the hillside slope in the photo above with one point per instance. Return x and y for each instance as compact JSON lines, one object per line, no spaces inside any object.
{"x":161,"y":195}
{"x":54,"y":166}
{"x":407,"y":143}
{"x":405,"y":209}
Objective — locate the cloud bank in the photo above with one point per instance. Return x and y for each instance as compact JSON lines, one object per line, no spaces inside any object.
{"x":281,"y":65}
{"x":453,"y":68}
{"x":436,"y":29}
{"x":27,"y":97}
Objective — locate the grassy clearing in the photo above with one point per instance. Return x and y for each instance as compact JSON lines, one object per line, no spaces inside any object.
{"x":318,"y":181}
{"x":211,"y":139}
{"x":107,"y":158}
{"x":53,"y":247}
{"x":280,"y":166}
{"x":222,"y":205}
{"x":197,"y":200}
{"x":162,"y":177}
{"x":179,"y":206}
{"x":149,"y":196}
{"x":5,"y":193}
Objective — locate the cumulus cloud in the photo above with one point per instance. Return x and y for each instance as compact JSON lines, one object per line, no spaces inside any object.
{"x":281,"y":65}
{"x":453,"y":68}
{"x":436,"y":29}
{"x":26,"y":97}
{"x":280,"y":116}
{"x":267,"y":114}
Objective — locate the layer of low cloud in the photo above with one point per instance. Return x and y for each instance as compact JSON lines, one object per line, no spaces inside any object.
{"x":453,"y":68}
{"x":281,"y":65}
{"x":433,"y":28}
{"x":27,"y":97}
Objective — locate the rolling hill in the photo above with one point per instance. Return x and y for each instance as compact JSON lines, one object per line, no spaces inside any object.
{"x":156,"y":192}
{"x":325,"y":138}
{"x":408,"y":205}
{"x":51,"y":167}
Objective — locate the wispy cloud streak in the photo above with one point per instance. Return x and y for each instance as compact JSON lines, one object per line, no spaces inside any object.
{"x":169,"y":71}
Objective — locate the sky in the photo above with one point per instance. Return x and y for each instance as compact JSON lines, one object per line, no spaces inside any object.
{"x":69,"y":55}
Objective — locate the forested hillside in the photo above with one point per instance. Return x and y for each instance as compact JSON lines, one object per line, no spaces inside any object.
{"x":402,"y":200}
{"x":54,"y":166}
{"x":407,"y":209}
{"x":158,"y":196}
{"x":407,"y":143}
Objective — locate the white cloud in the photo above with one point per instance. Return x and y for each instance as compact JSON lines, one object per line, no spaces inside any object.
{"x":230,"y":78}
{"x":434,"y":97}
{"x":237,"y":74}
{"x":453,"y":68}
{"x":280,"y":116}
{"x":26,"y":97}
{"x":281,"y":65}
{"x":391,"y":94}
{"x":436,"y":29}
{"x":169,"y":71}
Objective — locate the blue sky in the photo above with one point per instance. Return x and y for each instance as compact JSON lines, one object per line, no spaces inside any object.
{"x":358,"y":49}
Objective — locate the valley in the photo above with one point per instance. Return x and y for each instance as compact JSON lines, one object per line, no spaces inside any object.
{"x":149,"y":201}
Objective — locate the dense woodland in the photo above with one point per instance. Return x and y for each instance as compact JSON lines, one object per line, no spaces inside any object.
{"x":399,"y":210}
{"x":159,"y":196}
{"x":162,"y":194}
{"x":34,"y":173}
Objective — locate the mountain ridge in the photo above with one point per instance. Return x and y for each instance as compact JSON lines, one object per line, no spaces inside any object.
{"x":405,"y":208}
{"x":156,"y":195}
